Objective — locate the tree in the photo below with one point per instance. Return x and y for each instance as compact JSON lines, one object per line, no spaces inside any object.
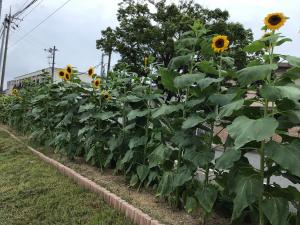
{"x":142,"y":32}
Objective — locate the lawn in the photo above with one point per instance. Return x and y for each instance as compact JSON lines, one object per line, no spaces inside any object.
{"x":31,"y":192}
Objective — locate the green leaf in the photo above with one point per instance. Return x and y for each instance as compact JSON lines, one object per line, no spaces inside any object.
{"x":136,"y":113}
{"x":228,"y":109}
{"x":280,"y":92}
{"x":285,"y":155}
{"x":179,"y":61}
{"x":86,"y":107}
{"x":207,"y":196}
{"x":181,"y":176}
{"x":187,"y":80}
{"x":199,"y":158}
{"x":192,"y":121}
{"x":207,"y":68}
{"x":167,"y":79}
{"x":134,"y":180}
{"x":142,"y":172}
{"x":205,"y":82}
{"x":248,"y":189}
{"x":194,"y":102}
{"x":293,"y":61}
{"x":90,"y":154}
{"x":104,"y":115}
{"x":254,"y":46}
{"x":276,"y":210}
{"x":131,"y":98}
{"x":244,"y":130}
{"x":128,"y":157}
{"x":190,"y":204}
{"x":165,"y":186}
{"x":159,"y":155}
{"x":255,"y":73}
{"x":283,"y":40}
{"x":221,"y":99}
{"x":137,"y":141}
{"x":166,"y":110}
{"x":227,"y":159}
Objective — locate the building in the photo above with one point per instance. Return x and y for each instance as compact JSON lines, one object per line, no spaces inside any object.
{"x":39,"y":76}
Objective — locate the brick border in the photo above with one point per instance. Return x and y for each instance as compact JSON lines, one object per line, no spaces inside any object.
{"x":134,"y":214}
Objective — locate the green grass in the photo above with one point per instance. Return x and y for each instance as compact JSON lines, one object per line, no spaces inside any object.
{"x":31,"y":192}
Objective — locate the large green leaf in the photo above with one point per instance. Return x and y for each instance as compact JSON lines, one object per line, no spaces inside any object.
{"x":181,"y":176}
{"x":207,"y":196}
{"x":86,"y":107}
{"x":192,"y":121}
{"x":142,"y":172}
{"x":294,"y":61}
{"x":276,"y":210}
{"x":167,"y":79}
{"x":255,"y":73}
{"x":280,"y":92}
{"x":254,"y":46}
{"x":165,"y":186}
{"x":244,"y":130}
{"x":199,"y":158}
{"x":285,"y":155}
{"x":159,"y":155}
{"x":227,"y":159}
{"x":179,"y":61}
{"x":205,"y":82}
{"x":187,"y":80}
{"x":248,"y":189}
{"x":137,"y":141}
{"x":221,"y":99}
{"x":104,"y":115}
{"x":166,"y":110}
{"x":228,"y":109}
{"x":206,"y":67}
{"x":190,"y":204}
{"x":136,"y":113}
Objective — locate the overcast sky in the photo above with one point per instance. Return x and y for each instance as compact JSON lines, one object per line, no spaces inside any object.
{"x":74,"y":29}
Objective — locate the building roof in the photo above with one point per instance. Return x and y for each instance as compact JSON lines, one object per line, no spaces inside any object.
{"x":33,"y":73}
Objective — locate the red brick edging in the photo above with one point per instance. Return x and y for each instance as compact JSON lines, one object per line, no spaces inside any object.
{"x":132,"y":213}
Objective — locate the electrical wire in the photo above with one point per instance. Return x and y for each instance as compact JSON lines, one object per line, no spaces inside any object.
{"x":32,"y":9}
{"x":44,"y":20}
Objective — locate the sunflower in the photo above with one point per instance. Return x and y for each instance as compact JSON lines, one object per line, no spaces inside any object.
{"x":62,"y":74}
{"x":91,"y":71}
{"x":67,"y":76}
{"x":106,"y":95}
{"x":274,"y":21}
{"x":69,"y":69}
{"x":220,"y":43}
{"x":96,"y":83}
{"x":15,"y":91}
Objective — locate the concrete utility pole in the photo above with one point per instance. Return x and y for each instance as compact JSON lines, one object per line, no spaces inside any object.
{"x":52,"y":51}
{"x":2,"y":49}
{"x":0,"y":9}
{"x":8,"y":20}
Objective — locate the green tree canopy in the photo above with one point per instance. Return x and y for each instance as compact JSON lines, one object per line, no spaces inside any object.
{"x":152,"y":28}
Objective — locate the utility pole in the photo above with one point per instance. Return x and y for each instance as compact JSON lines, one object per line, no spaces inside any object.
{"x":2,"y":48}
{"x":8,"y":23}
{"x":0,"y":9}
{"x":52,"y":51}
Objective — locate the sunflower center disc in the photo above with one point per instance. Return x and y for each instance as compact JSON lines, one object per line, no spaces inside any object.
{"x":220,"y":43}
{"x":274,"y":20}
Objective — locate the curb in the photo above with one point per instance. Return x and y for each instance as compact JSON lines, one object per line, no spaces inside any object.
{"x":134,"y":214}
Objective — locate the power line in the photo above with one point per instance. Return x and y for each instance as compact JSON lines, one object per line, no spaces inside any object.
{"x":32,"y":9}
{"x":44,"y":20}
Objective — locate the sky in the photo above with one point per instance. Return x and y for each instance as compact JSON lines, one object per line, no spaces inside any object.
{"x":75,"y":28}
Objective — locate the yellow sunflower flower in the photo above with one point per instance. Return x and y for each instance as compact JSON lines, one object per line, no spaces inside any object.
{"x":106,"y":95}
{"x":220,"y":43}
{"x":62,"y":74}
{"x":69,"y":69}
{"x":15,"y":92}
{"x":274,"y":21}
{"x":91,"y":71}
{"x":96,"y":83}
{"x":67,"y":76}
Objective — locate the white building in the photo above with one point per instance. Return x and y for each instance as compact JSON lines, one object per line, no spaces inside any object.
{"x":39,"y":77}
